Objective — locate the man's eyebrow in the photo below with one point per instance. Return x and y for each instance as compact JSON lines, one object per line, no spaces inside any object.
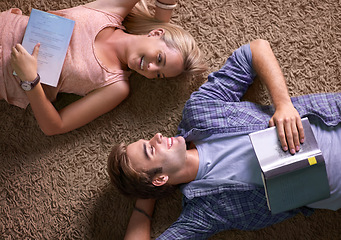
{"x":145,"y":151}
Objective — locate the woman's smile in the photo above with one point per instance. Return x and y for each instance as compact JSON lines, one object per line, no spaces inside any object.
{"x":142,"y":63}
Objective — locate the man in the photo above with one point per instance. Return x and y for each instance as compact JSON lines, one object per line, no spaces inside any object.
{"x":217,"y":169}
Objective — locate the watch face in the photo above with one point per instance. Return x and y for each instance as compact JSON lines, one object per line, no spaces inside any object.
{"x":26,"y":86}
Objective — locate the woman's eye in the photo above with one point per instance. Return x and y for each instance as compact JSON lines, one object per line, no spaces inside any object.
{"x":151,"y":149}
{"x":158,"y":75}
{"x":159,"y":58}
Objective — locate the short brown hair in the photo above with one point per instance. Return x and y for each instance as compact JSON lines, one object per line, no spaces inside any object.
{"x":131,"y":182}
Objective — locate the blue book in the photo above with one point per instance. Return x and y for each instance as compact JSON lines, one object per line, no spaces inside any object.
{"x":290,"y":181}
{"x":53,"y":33}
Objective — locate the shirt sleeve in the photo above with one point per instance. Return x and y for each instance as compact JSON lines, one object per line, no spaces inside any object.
{"x":197,"y":221}
{"x":241,"y":207}
{"x":231,"y":81}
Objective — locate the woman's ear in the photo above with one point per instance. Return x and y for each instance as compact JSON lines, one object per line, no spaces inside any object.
{"x":156,"y":32}
{"x":160,"y":180}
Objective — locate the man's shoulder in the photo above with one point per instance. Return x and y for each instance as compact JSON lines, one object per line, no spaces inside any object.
{"x":209,"y":187}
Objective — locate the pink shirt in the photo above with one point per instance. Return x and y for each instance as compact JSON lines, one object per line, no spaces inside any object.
{"x":82,"y":71}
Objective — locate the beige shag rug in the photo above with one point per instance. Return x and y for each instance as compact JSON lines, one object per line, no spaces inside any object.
{"x":58,"y":188}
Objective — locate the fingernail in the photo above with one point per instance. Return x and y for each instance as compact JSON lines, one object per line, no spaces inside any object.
{"x":285,"y":149}
{"x":292,"y":151}
{"x":297,"y":148}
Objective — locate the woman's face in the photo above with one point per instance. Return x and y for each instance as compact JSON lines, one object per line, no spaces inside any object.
{"x":152,"y":58}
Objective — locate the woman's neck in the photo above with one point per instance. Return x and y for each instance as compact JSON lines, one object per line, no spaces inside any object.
{"x":111,"y":47}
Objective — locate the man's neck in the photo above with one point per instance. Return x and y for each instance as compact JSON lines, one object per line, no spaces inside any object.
{"x":189,"y":171}
{"x":192,"y":164}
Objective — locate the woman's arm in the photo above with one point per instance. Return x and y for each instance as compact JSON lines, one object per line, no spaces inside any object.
{"x":139,"y":224}
{"x":164,"y":9}
{"x":286,"y":117}
{"x":123,"y":7}
{"x":74,"y":115}
{"x":120,"y":7}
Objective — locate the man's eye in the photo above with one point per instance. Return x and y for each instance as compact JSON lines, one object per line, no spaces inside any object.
{"x":151,"y":149}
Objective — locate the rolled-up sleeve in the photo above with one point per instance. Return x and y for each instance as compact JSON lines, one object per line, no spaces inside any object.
{"x":231,"y":81}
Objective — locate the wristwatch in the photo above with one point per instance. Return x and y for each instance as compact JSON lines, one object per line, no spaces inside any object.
{"x":27,"y":85}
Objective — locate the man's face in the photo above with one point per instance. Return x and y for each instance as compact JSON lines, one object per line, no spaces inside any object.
{"x":168,"y":153}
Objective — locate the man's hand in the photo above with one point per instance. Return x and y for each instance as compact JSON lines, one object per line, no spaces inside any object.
{"x":289,"y":127}
{"x":23,"y":63}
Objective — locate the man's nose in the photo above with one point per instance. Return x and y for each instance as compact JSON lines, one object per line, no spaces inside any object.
{"x":157,"y":138}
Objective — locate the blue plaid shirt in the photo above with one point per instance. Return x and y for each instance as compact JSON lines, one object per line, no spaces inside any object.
{"x":217,"y":108}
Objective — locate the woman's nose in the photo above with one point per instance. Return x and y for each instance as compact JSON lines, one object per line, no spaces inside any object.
{"x":153,"y":66}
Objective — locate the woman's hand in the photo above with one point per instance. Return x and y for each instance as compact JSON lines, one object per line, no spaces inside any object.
{"x":23,"y":63}
{"x":289,"y":127}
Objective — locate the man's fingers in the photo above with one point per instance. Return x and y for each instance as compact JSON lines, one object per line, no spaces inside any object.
{"x":271,"y":122}
{"x":295,"y":136}
{"x":281,"y":136}
{"x":289,"y":136}
{"x":300,"y":130}
{"x":289,"y":128}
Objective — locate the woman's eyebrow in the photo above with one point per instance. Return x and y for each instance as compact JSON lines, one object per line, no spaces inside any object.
{"x":164,"y":57}
{"x":164,"y":63}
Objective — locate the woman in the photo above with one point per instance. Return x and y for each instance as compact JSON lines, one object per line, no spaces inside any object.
{"x":98,"y":61}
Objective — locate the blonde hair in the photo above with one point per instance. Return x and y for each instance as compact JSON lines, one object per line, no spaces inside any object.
{"x":140,"y":22}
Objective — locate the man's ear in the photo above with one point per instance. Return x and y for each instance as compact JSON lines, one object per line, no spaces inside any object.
{"x":157,"y":32}
{"x":160,"y":180}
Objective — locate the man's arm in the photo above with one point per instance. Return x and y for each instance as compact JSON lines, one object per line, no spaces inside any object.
{"x":139,"y":224}
{"x":286,"y":117}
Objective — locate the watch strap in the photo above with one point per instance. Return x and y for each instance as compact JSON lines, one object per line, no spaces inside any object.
{"x":30,"y":83}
